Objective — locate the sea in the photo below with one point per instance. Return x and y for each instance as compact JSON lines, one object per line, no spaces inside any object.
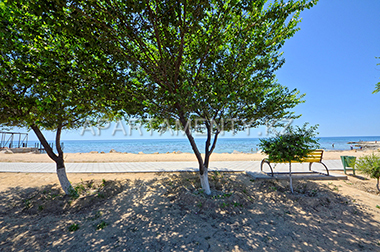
{"x":224,"y":145}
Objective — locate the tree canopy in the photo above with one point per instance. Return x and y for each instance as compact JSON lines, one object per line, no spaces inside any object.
{"x":293,"y":145}
{"x":49,"y":79}
{"x":370,"y":165}
{"x":214,"y":61}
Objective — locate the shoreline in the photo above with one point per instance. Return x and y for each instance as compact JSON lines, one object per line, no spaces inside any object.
{"x":225,"y":145}
{"x":117,"y":157}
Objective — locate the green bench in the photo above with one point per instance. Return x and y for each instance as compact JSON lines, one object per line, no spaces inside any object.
{"x":348,"y":161}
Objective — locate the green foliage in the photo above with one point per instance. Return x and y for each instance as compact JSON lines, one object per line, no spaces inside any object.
{"x":171,"y":60}
{"x":73,"y":193}
{"x":370,"y":165}
{"x":27,"y":204}
{"x":224,"y":205}
{"x":377,"y":89}
{"x":103,"y":182}
{"x":295,"y":144}
{"x":79,"y":188}
{"x":43,"y":68}
{"x":50,"y":78}
{"x":73,"y":227}
{"x":237,"y":204}
{"x":101,"y":225}
{"x":207,"y":60}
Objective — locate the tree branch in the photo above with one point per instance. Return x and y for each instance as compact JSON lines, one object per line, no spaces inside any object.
{"x":180,"y":53}
{"x":214,"y":143}
{"x":44,"y":143}
{"x":58,"y":141}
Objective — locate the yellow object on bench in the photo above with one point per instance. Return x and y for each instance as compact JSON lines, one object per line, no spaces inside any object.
{"x":314,"y":156}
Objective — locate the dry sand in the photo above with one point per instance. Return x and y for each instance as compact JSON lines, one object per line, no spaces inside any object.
{"x":129,"y":157}
{"x":168,"y":212}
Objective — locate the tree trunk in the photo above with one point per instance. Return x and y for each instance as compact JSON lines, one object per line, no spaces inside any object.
{"x":290,"y":177}
{"x":60,"y":164}
{"x":208,"y":150}
{"x":63,"y":180}
{"x":204,"y":182}
{"x":377,"y":185}
{"x":203,"y":170}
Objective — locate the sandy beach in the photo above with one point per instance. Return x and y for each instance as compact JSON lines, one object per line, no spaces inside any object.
{"x":161,"y":157}
{"x":169,"y":212}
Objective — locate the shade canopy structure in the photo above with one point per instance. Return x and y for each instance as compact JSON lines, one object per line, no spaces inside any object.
{"x":13,"y":139}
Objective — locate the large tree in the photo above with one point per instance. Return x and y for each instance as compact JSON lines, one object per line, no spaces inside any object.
{"x":213,"y":61}
{"x":49,"y":78}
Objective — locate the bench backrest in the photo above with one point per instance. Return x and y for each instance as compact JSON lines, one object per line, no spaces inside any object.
{"x":314,"y":156}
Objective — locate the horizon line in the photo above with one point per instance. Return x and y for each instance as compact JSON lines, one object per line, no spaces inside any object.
{"x":180,"y":138}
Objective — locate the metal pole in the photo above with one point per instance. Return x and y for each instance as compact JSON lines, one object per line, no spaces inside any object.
{"x":19,"y":140}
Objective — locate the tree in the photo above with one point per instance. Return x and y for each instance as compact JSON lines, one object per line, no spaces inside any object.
{"x":295,"y":144}
{"x":370,"y":165}
{"x":377,"y":89}
{"x":210,"y":61}
{"x":49,"y":79}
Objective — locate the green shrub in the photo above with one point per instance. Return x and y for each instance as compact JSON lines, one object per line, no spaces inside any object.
{"x":73,"y":193}
{"x":295,"y":144}
{"x":73,"y":227}
{"x":101,"y":225}
{"x":370,"y":165}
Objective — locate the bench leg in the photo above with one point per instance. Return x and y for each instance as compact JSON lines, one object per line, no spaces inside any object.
{"x":266,"y":162}
{"x":327,"y":170}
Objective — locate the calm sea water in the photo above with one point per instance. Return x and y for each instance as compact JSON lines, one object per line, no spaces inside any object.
{"x":247,"y":145}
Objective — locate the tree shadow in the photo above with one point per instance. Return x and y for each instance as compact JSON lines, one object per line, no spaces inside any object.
{"x":170,"y":212}
{"x":357,"y":176}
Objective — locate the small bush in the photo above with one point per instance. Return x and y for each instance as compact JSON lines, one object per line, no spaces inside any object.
{"x":295,"y":144}
{"x":101,"y":225}
{"x":73,"y":227}
{"x":73,"y":193}
{"x":370,"y":165}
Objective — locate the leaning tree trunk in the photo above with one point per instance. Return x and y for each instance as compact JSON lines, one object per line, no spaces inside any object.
{"x":290,"y":177}
{"x":203,"y":170}
{"x":62,"y":177}
{"x":58,"y":159}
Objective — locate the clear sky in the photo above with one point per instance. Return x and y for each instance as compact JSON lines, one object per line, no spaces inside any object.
{"x":332,"y":60}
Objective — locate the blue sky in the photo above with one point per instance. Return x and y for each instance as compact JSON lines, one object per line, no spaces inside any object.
{"x":332,"y":60}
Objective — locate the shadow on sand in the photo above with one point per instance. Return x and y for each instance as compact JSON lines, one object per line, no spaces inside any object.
{"x":171,"y":213}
